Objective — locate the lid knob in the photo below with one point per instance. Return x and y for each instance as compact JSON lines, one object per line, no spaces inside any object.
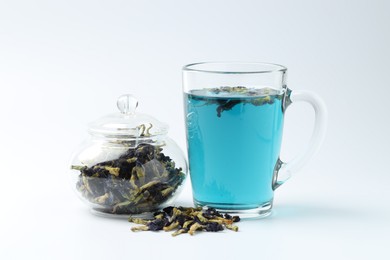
{"x":127,"y":104}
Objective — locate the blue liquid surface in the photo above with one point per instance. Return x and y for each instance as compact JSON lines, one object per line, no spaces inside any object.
{"x":232,"y":148}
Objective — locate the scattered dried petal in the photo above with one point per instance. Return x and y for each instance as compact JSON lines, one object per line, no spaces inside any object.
{"x":187,"y":220}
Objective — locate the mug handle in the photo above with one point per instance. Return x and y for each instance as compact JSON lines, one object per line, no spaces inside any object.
{"x":283,"y":170}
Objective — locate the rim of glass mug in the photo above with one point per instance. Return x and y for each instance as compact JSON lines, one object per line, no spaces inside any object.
{"x":235,"y":67}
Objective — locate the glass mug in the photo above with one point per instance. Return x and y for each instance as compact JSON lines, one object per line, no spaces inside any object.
{"x":234,"y":122}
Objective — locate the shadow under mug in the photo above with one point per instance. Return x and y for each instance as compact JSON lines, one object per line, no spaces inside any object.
{"x":234,"y":123}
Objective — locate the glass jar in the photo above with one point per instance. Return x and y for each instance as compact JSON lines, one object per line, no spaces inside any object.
{"x":128,"y":165}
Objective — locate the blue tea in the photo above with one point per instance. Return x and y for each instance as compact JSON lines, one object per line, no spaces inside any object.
{"x":234,"y":136}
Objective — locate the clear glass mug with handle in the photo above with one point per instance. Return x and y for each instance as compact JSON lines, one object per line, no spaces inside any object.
{"x":234,"y":114}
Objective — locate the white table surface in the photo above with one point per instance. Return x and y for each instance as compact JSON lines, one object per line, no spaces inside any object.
{"x":317,"y":215}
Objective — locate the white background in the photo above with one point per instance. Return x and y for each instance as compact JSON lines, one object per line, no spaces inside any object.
{"x":64,"y":63}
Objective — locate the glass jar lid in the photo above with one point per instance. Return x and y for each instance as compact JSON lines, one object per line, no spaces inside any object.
{"x":127,"y":123}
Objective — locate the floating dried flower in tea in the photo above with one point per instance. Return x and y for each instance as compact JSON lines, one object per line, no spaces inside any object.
{"x":228,"y":97}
